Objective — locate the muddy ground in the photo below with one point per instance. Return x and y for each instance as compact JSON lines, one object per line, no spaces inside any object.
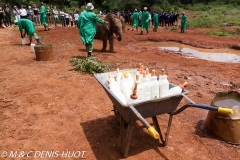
{"x":48,"y":106}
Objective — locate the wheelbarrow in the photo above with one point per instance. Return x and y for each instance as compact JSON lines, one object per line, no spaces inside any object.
{"x":129,"y":114}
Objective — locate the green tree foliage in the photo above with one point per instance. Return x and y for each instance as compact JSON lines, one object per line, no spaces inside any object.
{"x":18,"y":3}
{"x":123,"y":5}
{"x":74,"y":3}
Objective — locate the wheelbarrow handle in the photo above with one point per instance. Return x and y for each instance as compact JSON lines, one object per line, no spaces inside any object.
{"x":150,"y":128}
{"x":225,"y":110}
{"x":202,"y":106}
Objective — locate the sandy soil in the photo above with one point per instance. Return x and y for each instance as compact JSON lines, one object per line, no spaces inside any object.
{"x":47,"y":106}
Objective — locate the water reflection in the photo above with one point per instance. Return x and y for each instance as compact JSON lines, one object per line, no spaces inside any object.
{"x":217,"y":55}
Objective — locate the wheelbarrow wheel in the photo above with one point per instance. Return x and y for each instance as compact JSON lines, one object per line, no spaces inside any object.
{"x":118,"y":115}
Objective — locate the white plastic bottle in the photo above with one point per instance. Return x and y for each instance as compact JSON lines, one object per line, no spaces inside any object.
{"x":111,"y":79}
{"x":118,"y":76}
{"x":134,"y":97}
{"x":163,"y":84}
{"x":130,"y":79}
{"x":139,"y":67}
{"x":148,"y":75}
{"x":176,"y":90}
{"x":115,"y":88}
{"x":139,"y":91}
{"x":154,"y":85}
{"x":32,"y":47}
{"x":23,"y":41}
{"x":129,"y":76}
{"x":144,"y":88}
{"x":137,"y":77}
{"x":141,"y":72}
{"x":126,"y":87}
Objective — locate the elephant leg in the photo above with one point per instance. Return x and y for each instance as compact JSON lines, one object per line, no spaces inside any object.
{"x":104,"y":40}
{"x":110,"y":38}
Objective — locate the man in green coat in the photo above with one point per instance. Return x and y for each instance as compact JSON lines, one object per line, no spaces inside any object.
{"x":43,"y":17}
{"x":87,"y":27}
{"x":155,"y":19}
{"x":135,"y":20}
{"x":27,"y":26}
{"x":145,"y":20}
{"x":183,"y":22}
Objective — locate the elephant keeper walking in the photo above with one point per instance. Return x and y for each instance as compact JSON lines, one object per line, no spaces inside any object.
{"x":43,"y":17}
{"x":27,"y":26}
{"x":155,"y":19}
{"x":135,"y":19}
{"x":145,"y":20}
{"x":87,"y":27}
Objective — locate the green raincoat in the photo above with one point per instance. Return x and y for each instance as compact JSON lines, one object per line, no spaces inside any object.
{"x":27,"y":25}
{"x":155,"y":19}
{"x":183,"y":22}
{"x":87,"y":26}
{"x":43,"y":16}
{"x":135,"y":19}
{"x":145,"y":20}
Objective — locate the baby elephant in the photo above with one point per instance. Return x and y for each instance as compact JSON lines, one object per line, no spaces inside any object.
{"x":105,"y":31}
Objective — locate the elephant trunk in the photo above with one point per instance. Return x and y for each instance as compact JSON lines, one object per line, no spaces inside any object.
{"x":119,"y":37}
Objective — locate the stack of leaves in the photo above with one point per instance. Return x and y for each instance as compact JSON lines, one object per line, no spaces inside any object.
{"x":90,"y":64}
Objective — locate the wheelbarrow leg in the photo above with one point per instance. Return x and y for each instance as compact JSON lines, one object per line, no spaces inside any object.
{"x":168,"y":129}
{"x":157,"y":127}
{"x":122,"y":121}
{"x":125,"y":143}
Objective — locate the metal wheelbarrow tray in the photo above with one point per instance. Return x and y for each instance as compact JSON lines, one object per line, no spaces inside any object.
{"x":129,"y":114}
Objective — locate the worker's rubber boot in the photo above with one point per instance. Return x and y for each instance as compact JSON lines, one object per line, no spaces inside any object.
{"x":89,"y":54}
{"x":38,"y":41}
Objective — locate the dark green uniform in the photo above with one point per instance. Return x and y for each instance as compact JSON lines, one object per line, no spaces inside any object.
{"x":43,"y":16}
{"x":183,"y":23}
{"x":28,"y":26}
{"x":145,"y":21}
{"x":155,"y":19}
{"x":135,"y":19}
{"x":87,"y":28}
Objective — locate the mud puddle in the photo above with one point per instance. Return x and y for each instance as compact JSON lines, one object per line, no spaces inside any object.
{"x":216,"y":55}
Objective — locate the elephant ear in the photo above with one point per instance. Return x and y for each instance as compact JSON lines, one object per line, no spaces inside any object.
{"x":118,"y":25}
{"x":107,"y":25}
{"x":110,"y":19}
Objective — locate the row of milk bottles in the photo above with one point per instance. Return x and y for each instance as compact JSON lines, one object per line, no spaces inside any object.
{"x":143,"y":87}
